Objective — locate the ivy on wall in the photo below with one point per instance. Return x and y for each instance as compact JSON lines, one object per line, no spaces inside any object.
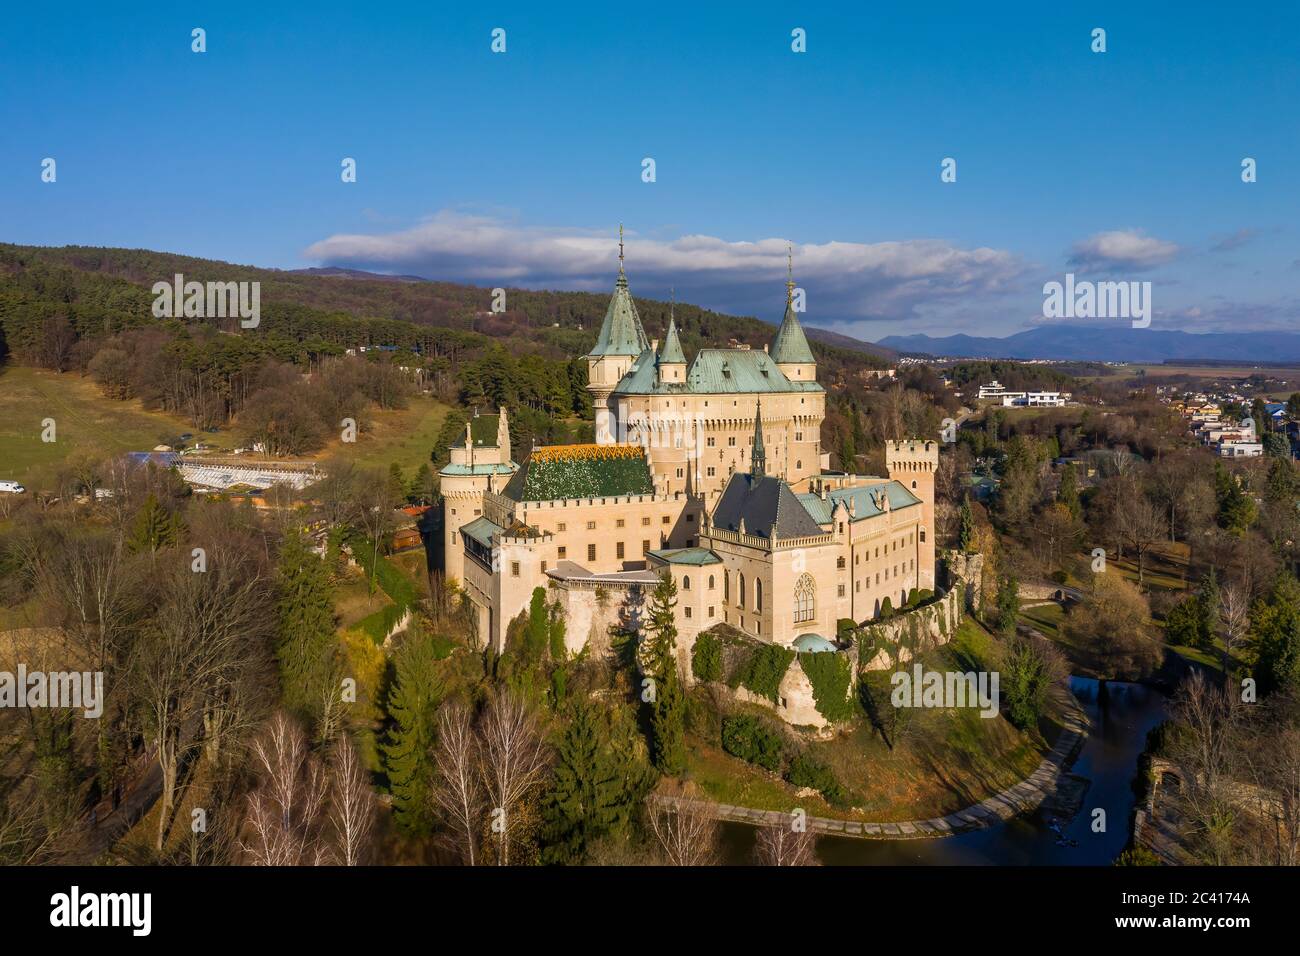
{"x":830,"y":677}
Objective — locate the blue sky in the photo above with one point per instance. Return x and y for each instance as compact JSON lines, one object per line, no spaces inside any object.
{"x":516,"y":168}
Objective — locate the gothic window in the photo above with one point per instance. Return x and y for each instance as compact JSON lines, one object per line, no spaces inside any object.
{"x":805,"y":599}
{"x":726,"y":586}
{"x":710,"y":582}
{"x":758,"y":595}
{"x":686,"y":582}
{"x":740,"y":589}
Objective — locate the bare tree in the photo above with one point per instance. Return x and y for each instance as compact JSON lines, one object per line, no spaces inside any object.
{"x":512,"y":762}
{"x":785,"y":846}
{"x":1206,"y":751}
{"x":1234,"y":615}
{"x":687,"y":835}
{"x":458,"y":793}
{"x":286,"y":811}
{"x":1142,"y":524}
{"x":353,"y":807}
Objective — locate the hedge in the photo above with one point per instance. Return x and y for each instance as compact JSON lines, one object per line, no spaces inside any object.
{"x":807,"y":772}
{"x":749,"y":738}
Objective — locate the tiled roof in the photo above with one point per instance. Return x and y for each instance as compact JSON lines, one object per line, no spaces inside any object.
{"x":558,"y":472}
{"x":766,"y":506}
{"x":713,"y":371}
{"x":672,"y":353}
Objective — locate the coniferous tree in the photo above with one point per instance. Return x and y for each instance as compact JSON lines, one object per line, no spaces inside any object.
{"x":155,"y":527}
{"x":1008,"y":603}
{"x":966,"y":528}
{"x":305,"y":646}
{"x":1207,"y":606}
{"x":408,"y":750}
{"x":668,"y":709}
{"x":1068,"y":494}
{"x":1276,"y":630}
{"x":594,"y":788}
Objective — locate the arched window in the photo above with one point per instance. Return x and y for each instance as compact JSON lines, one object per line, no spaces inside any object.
{"x":805,"y":599}
{"x":726,"y":586}
{"x":711,"y":582}
{"x":758,"y":595}
{"x":686,"y":582}
{"x":740,"y":589}
{"x":923,"y":536}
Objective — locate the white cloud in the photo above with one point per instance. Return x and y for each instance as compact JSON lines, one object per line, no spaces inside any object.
{"x":844,"y":281}
{"x":1121,"y":249}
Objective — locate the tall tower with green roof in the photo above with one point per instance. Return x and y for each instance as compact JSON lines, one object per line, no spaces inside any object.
{"x":790,"y":349}
{"x":621,"y":340}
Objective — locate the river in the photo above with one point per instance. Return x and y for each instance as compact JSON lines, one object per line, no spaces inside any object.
{"x":1116,"y":738}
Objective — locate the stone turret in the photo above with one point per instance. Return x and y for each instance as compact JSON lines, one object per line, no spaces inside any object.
{"x":790,"y":349}
{"x":621,"y":340}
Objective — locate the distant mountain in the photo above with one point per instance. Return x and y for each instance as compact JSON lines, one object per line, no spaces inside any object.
{"x":354,"y":274}
{"x":1107,"y":344}
{"x":827,"y":337}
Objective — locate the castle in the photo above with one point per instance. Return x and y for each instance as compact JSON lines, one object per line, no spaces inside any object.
{"x":710,"y":470}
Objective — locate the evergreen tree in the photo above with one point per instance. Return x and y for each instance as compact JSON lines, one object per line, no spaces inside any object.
{"x":1008,"y":604}
{"x":396,"y":485}
{"x":668,"y":709}
{"x":154,"y":528}
{"x":1276,"y":629}
{"x":594,"y":789}
{"x":1237,"y":510}
{"x":966,"y":528}
{"x":305,"y":646}
{"x":1207,"y":607}
{"x":422,"y":484}
{"x":407,"y":751}
{"x":1068,"y":494}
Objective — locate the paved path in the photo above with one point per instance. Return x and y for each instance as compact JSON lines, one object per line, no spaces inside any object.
{"x":1024,"y":797}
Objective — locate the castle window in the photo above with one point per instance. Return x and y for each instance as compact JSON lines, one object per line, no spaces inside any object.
{"x":798,"y":436}
{"x":618,"y":550}
{"x":740,"y":590}
{"x":514,"y":569}
{"x":758,"y":595}
{"x":923,"y":536}
{"x":591,"y":552}
{"x":690,"y":519}
{"x":805,"y":599}
{"x":619,"y":523}
{"x":679,"y":472}
{"x":561,"y":552}
{"x":799,"y":463}
{"x":710,"y":610}
{"x":561,"y":527}
{"x":711,"y":471}
{"x":841,"y":590}
{"x":711,"y":582}
{"x":645,"y":521}
{"x":711,"y":441}
{"x":665,"y":519}
{"x":839,"y":562}
{"x":726,"y":586}
{"x":686,"y":582}
{"x":591,"y":526}
{"x":688,"y":613}
{"x":544,"y":566}
{"x":645,"y":546}
{"x":914,"y":483}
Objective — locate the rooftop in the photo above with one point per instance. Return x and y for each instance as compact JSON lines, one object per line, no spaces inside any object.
{"x":691,"y":556}
{"x":713,"y":371}
{"x":556,"y":472}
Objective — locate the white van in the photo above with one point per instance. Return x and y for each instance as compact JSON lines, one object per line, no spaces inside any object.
{"x":12,"y":487}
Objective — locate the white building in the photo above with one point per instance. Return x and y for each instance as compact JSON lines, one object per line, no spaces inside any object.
{"x":995,"y":391}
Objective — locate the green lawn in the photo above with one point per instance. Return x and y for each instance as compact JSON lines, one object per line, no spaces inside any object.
{"x":405,"y":436}
{"x":86,"y":423}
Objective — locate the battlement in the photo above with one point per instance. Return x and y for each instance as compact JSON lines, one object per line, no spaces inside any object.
{"x":912,"y":454}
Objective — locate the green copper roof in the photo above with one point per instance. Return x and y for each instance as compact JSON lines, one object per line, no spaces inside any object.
{"x":712,"y":372}
{"x":481,"y":530}
{"x":864,"y":507}
{"x":672,"y":350}
{"x":693,"y":556}
{"x":790,"y":345}
{"x":621,"y":332}
{"x":465,"y":470}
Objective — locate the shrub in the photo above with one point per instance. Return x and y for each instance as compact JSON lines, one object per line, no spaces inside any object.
{"x":749,"y":738}
{"x":844,"y":628}
{"x":805,"y":771}
{"x":886,"y":609}
{"x":706,"y":658}
{"x":763,"y":670}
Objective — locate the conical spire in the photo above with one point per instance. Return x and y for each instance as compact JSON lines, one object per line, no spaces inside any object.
{"x":790,"y":347}
{"x":503,"y":433}
{"x":758,"y":461}
{"x":671,"y":353}
{"x":621,"y":332}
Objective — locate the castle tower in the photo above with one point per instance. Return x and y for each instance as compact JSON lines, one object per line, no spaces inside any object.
{"x":620,"y":341}
{"x":671,"y":361}
{"x":479,"y":464}
{"x":790,"y":349}
{"x":913,"y":462}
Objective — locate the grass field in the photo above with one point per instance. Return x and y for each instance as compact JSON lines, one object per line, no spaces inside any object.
{"x":85,"y":423}
{"x":405,"y":436}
